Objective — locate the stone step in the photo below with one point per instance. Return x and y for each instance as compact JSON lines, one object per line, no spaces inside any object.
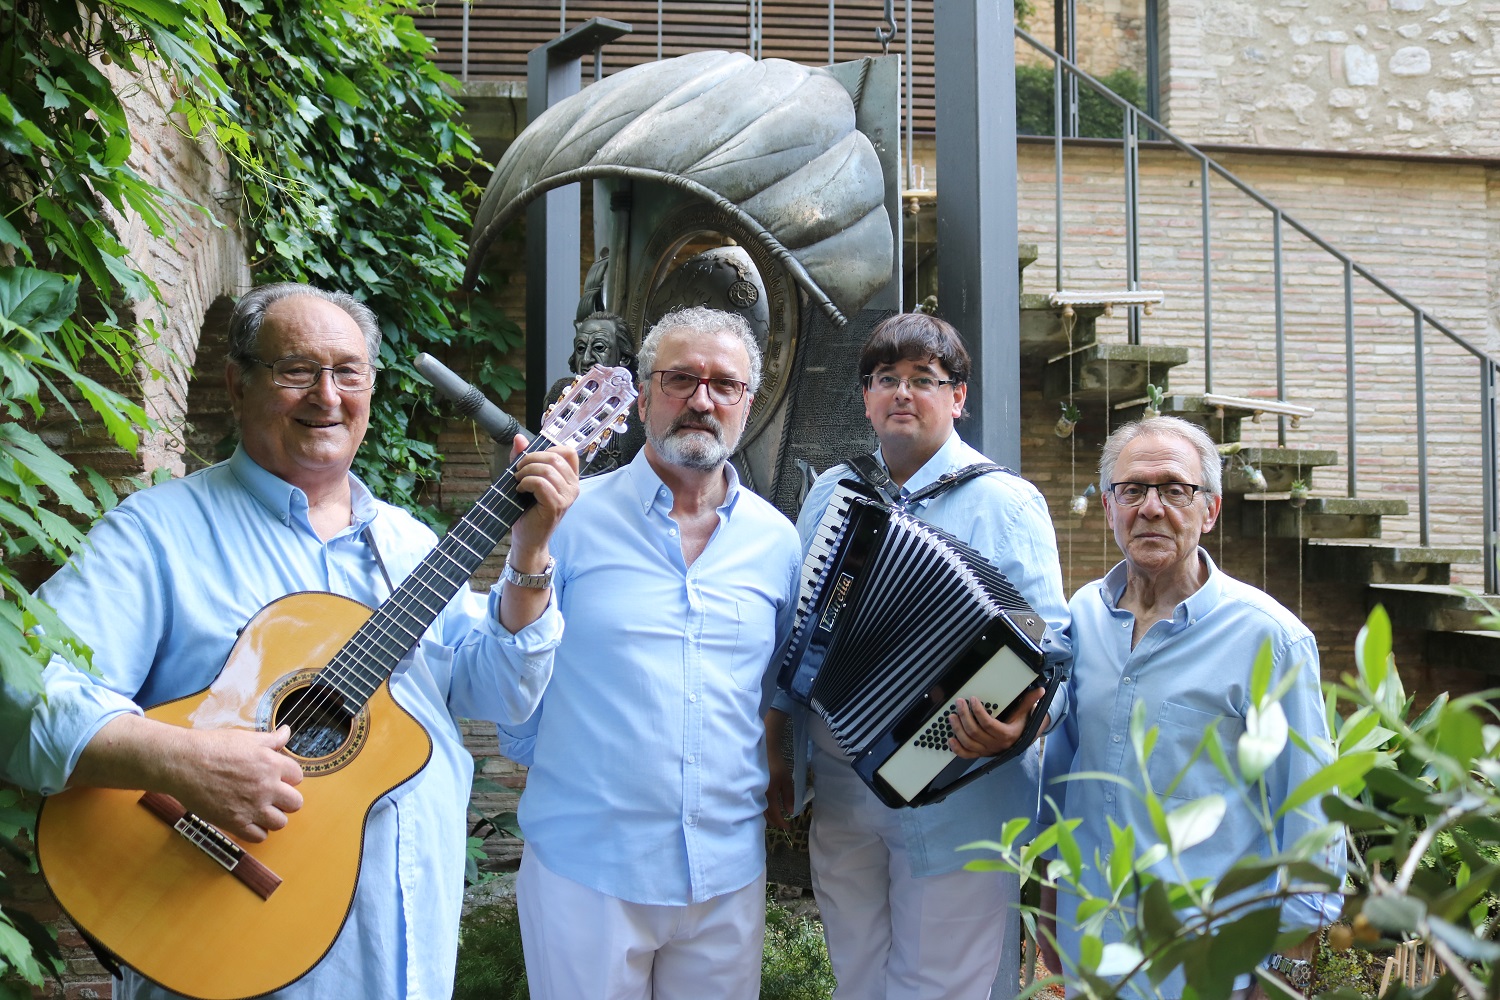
{"x":1107,"y":372}
{"x":1280,"y":467}
{"x":1217,"y":414}
{"x":1469,"y":649}
{"x":1277,"y":516}
{"x":1434,"y":607}
{"x":1382,"y":563}
{"x":1043,"y":333}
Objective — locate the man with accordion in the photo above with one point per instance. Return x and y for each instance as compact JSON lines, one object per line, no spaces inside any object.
{"x":901,"y":916}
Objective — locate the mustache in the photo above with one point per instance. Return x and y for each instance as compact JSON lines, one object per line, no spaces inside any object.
{"x":698,"y":421}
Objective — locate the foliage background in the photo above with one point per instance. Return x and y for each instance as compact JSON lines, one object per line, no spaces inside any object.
{"x":351,"y":169}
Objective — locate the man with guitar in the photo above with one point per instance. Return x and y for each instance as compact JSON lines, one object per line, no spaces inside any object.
{"x":901,"y":916}
{"x":174,"y":572}
{"x":644,"y":870}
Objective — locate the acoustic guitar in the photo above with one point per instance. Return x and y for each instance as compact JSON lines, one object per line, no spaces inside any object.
{"x":207,"y":915}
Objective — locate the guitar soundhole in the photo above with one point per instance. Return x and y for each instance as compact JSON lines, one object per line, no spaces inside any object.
{"x":320,"y":725}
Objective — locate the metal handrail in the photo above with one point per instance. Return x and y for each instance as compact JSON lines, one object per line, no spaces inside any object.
{"x":1133,"y":120}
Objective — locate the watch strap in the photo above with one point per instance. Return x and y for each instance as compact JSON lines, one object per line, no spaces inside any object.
{"x":532,"y":581}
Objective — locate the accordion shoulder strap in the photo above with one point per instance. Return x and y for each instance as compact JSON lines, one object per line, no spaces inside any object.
{"x":868,"y":469}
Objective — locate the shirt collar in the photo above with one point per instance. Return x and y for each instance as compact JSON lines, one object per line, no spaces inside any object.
{"x":650,"y":491}
{"x":1199,"y":603}
{"x":953,"y":455}
{"x":286,"y":501}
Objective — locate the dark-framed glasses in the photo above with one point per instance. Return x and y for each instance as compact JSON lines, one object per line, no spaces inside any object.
{"x":1171,"y":494}
{"x":917,"y":383}
{"x":682,"y":385}
{"x":303,"y":373}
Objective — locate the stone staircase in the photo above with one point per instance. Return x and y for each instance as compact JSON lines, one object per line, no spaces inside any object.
{"x":1340,"y":537}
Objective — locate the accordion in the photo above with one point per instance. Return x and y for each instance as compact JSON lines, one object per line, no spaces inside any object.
{"x":896,"y":620}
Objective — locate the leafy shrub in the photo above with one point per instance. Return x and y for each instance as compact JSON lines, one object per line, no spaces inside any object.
{"x":1097,"y":117}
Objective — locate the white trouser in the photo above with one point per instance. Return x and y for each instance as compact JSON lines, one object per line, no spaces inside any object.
{"x":581,"y":944}
{"x":892,"y":936}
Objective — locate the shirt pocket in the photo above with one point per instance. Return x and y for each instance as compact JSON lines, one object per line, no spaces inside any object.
{"x":1179,"y":729}
{"x":754,"y":644}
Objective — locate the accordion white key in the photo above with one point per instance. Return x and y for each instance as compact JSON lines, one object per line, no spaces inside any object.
{"x":896,"y":621}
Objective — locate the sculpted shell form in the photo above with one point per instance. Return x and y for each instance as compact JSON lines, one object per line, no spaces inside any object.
{"x":771,"y":142}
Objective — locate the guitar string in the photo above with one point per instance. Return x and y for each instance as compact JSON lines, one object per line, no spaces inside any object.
{"x":327,"y":696}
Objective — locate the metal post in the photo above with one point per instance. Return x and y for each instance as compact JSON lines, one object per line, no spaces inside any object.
{"x":554,"y":72}
{"x":978,"y":281}
{"x":1132,"y":220}
{"x":1421,"y":379}
{"x":1057,"y":166}
{"x":830,"y":32}
{"x":1487,"y":436}
{"x":1153,"y":61}
{"x":1208,"y":285}
{"x":911,"y":169}
{"x":1280,"y":325}
{"x":463,"y":65}
{"x":1349,"y":432}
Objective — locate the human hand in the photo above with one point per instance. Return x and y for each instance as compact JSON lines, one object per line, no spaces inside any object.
{"x":239,"y":780}
{"x":977,"y":733}
{"x":551,"y":478}
{"x":781,"y":792}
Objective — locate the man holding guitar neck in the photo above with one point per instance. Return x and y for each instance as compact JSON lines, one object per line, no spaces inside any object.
{"x":644,"y":871}
{"x":172,"y":573}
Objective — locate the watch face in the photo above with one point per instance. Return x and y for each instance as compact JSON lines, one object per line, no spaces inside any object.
{"x":1295,"y":971}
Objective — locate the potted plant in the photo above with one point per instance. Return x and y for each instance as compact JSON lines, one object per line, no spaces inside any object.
{"x":1298,"y":492}
{"x":1066,"y":422}
{"x":1154,"y":399}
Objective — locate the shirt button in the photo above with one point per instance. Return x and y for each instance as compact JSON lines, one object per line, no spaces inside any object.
{"x":1125,"y":681}
{"x":672,"y":532}
{"x":1124,"y":624}
{"x":1116,"y":737}
{"x":692,"y":697}
{"x":1109,"y":797}
{"x":691,"y":759}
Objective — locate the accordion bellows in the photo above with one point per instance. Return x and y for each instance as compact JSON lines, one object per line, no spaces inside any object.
{"x":898,"y":619}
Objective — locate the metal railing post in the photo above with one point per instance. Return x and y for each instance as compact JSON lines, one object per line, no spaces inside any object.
{"x":1280,"y":325}
{"x":1349,"y":432}
{"x":830,"y":32}
{"x":1421,"y":379}
{"x":1487,"y":435}
{"x":1057,"y":157}
{"x":1132,"y":219}
{"x":463,"y":62}
{"x":1208,"y":286}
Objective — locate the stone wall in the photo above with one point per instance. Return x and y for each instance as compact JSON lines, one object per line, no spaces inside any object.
{"x":1111,"y":35}
{"x":1378,"y":75}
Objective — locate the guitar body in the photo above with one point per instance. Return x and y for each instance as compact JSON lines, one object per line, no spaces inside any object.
{"x":162,"y":903}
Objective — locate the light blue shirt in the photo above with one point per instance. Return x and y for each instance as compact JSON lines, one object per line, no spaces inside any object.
{"x":648,"y":771}
{"x":1005,"y":518}
{"x":1191,"y":672}
{"x":169,"y":577}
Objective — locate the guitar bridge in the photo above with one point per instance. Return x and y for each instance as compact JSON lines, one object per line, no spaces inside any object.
{"x":212,"y":841}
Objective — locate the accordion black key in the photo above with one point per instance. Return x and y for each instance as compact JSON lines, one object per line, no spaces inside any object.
{"x":896,"y":620}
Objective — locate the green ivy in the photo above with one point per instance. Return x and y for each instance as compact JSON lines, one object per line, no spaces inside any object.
{"x":348,"y":146}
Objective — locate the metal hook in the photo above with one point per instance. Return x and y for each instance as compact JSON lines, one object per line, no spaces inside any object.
{"x":887,"y":29}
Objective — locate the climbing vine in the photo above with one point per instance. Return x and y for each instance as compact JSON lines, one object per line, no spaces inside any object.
{"x":350,"y":168}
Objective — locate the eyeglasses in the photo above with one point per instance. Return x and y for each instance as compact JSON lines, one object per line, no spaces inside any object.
{"x":1171,"y":494}
{"x":917,"y":383}
{"x":302,"y":373}
{"x":682,"y":385}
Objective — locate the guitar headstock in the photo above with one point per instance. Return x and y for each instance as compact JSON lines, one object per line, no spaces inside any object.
{"x":595,"y":406}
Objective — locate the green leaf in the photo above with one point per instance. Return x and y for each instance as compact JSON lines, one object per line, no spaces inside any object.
{"x":1346,"y":774}
{"x":43,"y":464}
{"x":1191,"y":824}
{"x":1158,"y":919}
{"x":341,"y":88}
{"x":1372,"y":648}
{"x":1395,"y":914}
{"x":1240,"y":946}
{"x":1461,"y":941}
{"x":1260,"y":673}
{"x":1262,"y":741}
{"x":39,"y":301}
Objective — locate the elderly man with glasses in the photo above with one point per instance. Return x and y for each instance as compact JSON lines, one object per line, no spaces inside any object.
{"x":1168,"y":631}
{"x":171,"y":575}
{"x":644,"y":869}
{"x":902,"y":918}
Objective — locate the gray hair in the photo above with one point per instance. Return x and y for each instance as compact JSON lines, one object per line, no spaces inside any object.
{"x":250,"y":312}
{"x":702,"y":320}
{"x":1197,"y":437}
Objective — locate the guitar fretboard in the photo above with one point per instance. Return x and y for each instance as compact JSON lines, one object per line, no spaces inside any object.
{"x":372,"y":653}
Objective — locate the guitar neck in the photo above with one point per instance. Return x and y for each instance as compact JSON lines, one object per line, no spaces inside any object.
{"x":372,"y":653}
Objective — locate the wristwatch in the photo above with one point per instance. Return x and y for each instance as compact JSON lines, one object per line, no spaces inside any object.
{"x":1296,"y":971}
{"x":533,"y":581}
